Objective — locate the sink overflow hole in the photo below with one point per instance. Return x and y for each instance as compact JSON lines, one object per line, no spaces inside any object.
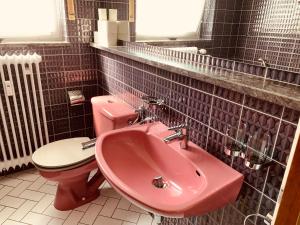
{"x":197,"y":172}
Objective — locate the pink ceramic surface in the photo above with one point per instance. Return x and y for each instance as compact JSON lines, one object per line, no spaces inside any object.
{"x":74,"y":188}
{"x":197,"y":182}
{"x":109,"y":114}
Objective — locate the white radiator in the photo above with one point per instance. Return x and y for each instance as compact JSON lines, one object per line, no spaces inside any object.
{"x":23,"y":126}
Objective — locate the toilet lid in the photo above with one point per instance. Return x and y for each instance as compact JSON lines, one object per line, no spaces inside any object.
{"x":63,"y":153}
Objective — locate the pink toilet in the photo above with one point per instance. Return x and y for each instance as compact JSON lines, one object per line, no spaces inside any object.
{"x":68,"y":164}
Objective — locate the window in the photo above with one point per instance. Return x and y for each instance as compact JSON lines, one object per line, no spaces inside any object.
{"x":162,"y":19}
{"x":32,"y":21}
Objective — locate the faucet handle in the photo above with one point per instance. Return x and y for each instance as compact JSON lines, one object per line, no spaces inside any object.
{"x":180,"y":126}
{"x":148,"y":119}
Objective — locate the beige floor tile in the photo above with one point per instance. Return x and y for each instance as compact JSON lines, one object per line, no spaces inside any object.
{"x":32,"y":195}
{"x":135,"y":208}
{"x":124,"y":204}
{"x":27,"y":199}
{"x":4,"y":191}
{"x":20,"y":188}
{"x":126,"y":215}
{"x":37,"y":184}
{"x":100,"y":200}
{"x":43,"y":204}
{"x":56,"y":221}
{"x":36,"y":219}
{"x":101,"y":220}
{"x":11,"y":222}
{"x":28,"y":176}
{"x":21,"y":212}
{"x":53,"y":212}
{"x":91,"y":214}
{"x":5,"y":214}
{"x":145,"y":220}
{"x":74,"y":218}
{"x":49,"y":182}
{"x":109,"y":207}
{"x":11,"y":201}
{"x":110,"y":192}
{"x":128,"y":223}
{"x":83,"y":208}
{"x":48,"y":189}
{"x":12,"y":182}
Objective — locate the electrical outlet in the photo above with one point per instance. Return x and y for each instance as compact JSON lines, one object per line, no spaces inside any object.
{"x":268,"y":219}
{"x":9,"y":90}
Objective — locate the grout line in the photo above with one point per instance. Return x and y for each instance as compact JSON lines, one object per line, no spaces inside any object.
{"x":238,"y":127}
{"x":263,"y":190}
{"x":210,"y":116}
{"x":278,"y":131}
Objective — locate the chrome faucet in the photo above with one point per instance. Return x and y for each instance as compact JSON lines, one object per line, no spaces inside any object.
{"x":181,"y":133}
{"x":151,"y":100}
{"x":142,"y":110}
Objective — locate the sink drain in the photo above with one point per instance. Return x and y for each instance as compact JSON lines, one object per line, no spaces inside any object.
{"x":159,"y":182}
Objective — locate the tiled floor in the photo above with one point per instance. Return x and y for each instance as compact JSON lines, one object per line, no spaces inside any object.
{"x":27,"y":198}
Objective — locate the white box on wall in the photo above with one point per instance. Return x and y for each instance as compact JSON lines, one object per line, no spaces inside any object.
{"x":106,"y":40}
{"x":113,"y":14}
{"x":124,"y":30}
{"x":107,"y":34}
{"x":102,"y":14}
{"x":107,"y":26}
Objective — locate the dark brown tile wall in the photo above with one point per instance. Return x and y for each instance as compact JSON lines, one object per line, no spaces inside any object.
{"x":67,"y":67}
{"x":246,"y":30}
{"x":209,"y":110}
{"x":269,"y":29}
{"x":251,"y":29}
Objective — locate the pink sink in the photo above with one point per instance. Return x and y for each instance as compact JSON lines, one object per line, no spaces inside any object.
{"x":194,"y":181}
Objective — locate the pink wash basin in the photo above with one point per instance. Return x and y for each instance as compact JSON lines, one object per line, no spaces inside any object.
{"x":194,"y":181}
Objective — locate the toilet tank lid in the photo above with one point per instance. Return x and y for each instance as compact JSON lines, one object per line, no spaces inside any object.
{"x":117,"y":110}
{"x":104,"y":99}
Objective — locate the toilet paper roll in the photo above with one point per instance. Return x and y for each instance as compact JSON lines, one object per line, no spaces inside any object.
{"x":109,"y":27}
{"x":113,"y":14}
{"x":105,"y":39}
{"x":76,"y":97}
{"x":102,"y":14}
{"x":123,"y":27}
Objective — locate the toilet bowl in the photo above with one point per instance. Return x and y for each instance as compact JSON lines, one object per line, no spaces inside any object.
{"x":65,"y":161}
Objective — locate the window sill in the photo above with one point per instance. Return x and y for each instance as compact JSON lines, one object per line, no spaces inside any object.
{"x":52,"y":43}
{"x":173,"y":42}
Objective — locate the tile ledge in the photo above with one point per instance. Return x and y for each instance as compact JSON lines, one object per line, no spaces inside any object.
{"x":287,"y":95}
